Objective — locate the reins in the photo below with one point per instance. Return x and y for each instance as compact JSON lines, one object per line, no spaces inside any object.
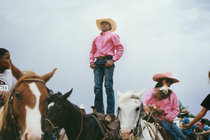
{"x":81,"y":125}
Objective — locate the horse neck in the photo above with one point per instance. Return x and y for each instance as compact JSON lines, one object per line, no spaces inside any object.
{"x":7,"y":129}
{"x":73,"y":117}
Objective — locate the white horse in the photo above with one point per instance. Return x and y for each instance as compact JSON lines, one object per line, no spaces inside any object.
{"x":132,"y":126}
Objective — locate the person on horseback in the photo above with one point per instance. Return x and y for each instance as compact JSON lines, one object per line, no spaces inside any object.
{"x":157,"y":105}
{"x":171,"y":103}
{"x":206,"y":106}
{"x":7,"y":81}
{"x":185,"y":120}
{"x":201,"y":125}
{"x":103,"y":50}
{"x":82,"y":108}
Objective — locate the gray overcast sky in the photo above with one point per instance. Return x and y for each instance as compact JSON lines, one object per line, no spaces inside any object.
{"x":163,"y":35}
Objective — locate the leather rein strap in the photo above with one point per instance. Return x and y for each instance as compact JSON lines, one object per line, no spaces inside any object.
{"x":81,"y":125}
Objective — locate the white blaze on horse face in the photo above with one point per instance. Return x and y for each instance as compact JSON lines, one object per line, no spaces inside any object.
{"x":129,"y":112}
{"x":33,"y":117}
{"x":50,"y":105}
{"x":128,"y":115}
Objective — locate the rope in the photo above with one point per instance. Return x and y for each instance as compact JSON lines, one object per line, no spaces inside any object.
{"x":81,"y":125}
{"x":49,"y":122}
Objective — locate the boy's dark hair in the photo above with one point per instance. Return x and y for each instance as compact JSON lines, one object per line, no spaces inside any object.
{"x":159,"y":84}
{"x":168,"y":95}
{"x":3,"y":51}
{"x":203,"y":121}
{"x":184,"y":115}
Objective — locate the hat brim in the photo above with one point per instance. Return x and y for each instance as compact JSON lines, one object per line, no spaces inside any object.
{"x":112,"y":22}
{"x":184,"y":113}
{"x":82,"y":108}
{"x":159,"y":76}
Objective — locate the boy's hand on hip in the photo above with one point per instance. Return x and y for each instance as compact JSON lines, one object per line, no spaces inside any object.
{"x":109,"y":63}
{"x":92,"y":65}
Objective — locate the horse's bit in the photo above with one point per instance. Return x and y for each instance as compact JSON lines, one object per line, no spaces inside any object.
{"x":17,"y":129}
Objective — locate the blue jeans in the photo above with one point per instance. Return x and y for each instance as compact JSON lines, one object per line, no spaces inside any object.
{"x":172,"y":135}
{"x":177,"y":131}
{"x":100,"y":73}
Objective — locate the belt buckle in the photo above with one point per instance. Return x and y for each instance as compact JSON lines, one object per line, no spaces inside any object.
{"x":100,"y":58}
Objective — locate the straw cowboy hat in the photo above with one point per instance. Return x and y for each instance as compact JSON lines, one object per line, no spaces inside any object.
{"x":184,"y":111}
{"x":81,"y":106}
{"x":111,"y":21}
{"x":165,"y":74}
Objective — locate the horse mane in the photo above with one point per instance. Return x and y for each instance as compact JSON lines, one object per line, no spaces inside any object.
{"x":26,"y":74}
{"x":125,"y":97}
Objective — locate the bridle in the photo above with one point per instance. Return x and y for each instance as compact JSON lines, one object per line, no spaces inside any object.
{"x":54,"y":128}
{"x":135,"y":130}
{"x":16,"y":127}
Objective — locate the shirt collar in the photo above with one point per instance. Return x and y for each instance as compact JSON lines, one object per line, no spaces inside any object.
{"x":103,"y":33}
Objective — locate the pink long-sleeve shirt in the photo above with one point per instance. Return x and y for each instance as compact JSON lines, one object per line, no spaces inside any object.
{"x":106,"y":44}
{"x":171,"y":106}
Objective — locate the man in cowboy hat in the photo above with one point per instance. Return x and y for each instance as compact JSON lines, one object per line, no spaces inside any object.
{"x":82,"y":108}
{"x":185,"y":120}
{"x":103,"y":50}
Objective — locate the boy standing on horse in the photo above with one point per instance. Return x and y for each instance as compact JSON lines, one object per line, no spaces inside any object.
{"x":7,"y":81}
{"x":103,"y":50}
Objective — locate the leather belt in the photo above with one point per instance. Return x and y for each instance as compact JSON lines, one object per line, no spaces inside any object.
{"x":104,"y":57}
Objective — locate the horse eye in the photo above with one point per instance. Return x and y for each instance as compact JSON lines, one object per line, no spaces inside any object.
{"x":17,"y":95}
{"x":119,"y":109}
{"x":137,"y":109}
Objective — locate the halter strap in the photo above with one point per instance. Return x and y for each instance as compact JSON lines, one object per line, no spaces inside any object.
{"x":49,"y":122}
{"x":34,"y":79}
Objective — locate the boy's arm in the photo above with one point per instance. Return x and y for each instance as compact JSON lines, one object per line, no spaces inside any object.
{"x":118,"y":46}
{"x":92,"y":52}
{"x":197,"y":118}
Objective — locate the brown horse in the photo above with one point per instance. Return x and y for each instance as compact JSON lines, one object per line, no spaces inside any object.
{"x":21,"y":116}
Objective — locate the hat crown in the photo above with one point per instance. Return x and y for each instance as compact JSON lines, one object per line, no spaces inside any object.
{"x":185,"y":111}
{"x":81,"y":106}
{"x":168,"y":74}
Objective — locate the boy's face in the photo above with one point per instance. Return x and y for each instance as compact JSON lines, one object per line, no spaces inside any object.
{"x":105,"y":26}
{"x":4,"y":61}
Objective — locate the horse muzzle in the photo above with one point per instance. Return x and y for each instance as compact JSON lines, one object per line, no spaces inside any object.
{"x":126,"y":134}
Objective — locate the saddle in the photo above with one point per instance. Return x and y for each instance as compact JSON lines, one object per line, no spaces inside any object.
{"x":158,"y":125}
{"x":109,"y":127}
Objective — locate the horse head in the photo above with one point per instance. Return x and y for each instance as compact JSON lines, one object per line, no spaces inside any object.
{"x":21,"y":117}
{"x":55,"y":115}
{"x":129,"y":111}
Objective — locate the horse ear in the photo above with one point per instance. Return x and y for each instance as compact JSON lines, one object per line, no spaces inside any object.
{"x":47,"y":76}
{"x":66,"y":95}
{"x":119,"y":93}
{"x":141,"y":93}
{"x":15,"y":71}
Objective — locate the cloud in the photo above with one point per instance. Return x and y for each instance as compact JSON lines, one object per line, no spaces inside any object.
{"x":157,"y":36}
